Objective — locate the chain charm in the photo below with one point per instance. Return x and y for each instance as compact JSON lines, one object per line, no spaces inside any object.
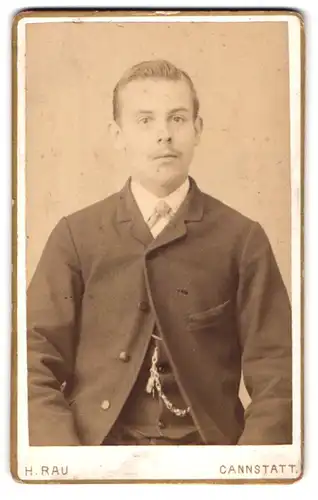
{"x":155,"y":384}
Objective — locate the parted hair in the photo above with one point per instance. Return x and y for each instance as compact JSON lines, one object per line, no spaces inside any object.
{"x":154,"y":69}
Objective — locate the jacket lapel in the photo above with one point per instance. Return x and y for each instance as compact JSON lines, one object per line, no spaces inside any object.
{"x":128,"y":213}
{"x":191,"y":210}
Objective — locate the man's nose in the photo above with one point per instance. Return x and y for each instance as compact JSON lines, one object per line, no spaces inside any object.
{"x":164,"y":134}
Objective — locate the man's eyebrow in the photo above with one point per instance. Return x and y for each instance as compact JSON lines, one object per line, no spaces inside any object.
{"x":178,"y":110}
{"x":144,"y":112}
{"x":170,"y":112}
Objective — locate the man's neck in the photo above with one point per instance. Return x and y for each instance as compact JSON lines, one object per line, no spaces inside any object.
{"x":161,"y":191}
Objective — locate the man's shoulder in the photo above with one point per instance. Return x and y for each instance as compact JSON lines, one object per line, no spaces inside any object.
{"x":94,"y":211}
{"x":229,"y":226}
{"x":218,"y":209}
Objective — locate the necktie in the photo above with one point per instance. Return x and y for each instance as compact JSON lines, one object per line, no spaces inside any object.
{"x":162,"y":211}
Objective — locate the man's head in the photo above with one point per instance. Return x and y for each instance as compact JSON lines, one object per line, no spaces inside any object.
{"x":157,"y":123}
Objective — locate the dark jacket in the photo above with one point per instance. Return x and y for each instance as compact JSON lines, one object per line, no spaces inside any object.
{"x":209,"y":281}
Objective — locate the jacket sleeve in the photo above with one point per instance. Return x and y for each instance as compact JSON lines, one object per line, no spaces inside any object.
{"x":264,"y":318}
{"x":53,"y":304}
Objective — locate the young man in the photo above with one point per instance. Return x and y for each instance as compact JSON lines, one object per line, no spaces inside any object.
{"x":145,"y":307}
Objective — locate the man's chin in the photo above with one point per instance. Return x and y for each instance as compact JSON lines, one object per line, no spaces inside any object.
{"x":163,"y":185}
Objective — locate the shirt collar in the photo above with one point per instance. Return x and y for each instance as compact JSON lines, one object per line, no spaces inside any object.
{"x":147,"y":201}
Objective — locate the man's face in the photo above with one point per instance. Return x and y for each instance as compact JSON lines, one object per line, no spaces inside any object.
{"x":158,"y":132}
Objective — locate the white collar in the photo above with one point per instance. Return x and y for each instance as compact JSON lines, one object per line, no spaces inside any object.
{"x":147,"y":201}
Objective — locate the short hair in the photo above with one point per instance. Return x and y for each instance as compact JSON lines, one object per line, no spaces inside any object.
{"x":155,"y":69}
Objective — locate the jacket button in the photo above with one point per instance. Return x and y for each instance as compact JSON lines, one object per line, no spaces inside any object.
{"x":105,"y":404}
{"x":143,"y":306}
{"x":124,"y":356}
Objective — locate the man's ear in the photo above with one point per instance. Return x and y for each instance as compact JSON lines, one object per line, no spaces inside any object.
{"x":198,"y":127}
{"x":116,"y":135}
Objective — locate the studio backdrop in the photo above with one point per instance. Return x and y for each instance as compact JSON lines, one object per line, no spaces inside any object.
{"x":240,"y":71}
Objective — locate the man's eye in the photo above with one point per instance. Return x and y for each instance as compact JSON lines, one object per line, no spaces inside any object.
{"x":178,"y":119}
{"x":144,"y":120}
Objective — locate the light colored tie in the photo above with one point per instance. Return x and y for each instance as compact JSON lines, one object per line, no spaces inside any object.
{"x":162,"y":211}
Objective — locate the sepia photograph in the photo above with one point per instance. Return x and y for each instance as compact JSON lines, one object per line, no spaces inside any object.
{"x":158,"y":198}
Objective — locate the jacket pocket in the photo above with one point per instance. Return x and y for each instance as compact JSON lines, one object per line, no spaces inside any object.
{"x":208,"y":317}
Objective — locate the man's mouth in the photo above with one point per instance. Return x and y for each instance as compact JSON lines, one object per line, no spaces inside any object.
{"x":165,"y":155}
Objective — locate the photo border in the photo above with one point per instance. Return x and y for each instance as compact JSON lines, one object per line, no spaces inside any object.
{"x":16,"y":196}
